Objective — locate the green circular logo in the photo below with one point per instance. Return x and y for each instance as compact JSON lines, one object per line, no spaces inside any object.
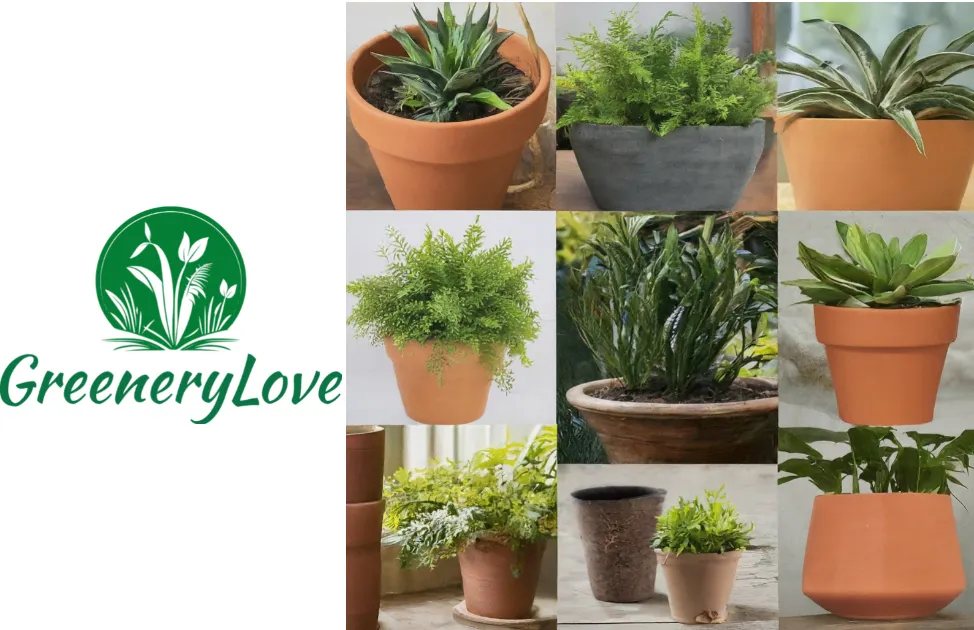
{"x":171,"y":279}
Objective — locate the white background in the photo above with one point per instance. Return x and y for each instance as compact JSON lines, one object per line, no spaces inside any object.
{"x":132,"y":517}
{"x":373,"y":395}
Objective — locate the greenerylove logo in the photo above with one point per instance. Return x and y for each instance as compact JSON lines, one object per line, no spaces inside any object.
{"x":171,"y":279}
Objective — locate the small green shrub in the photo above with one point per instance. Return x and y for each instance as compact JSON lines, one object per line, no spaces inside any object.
{"x":508,"y":493}
{"x":450,"y":293}
{"x":662,"y":82}
{"x":877,"y":459}
{"x":708,"y":526}
{"x":880,"y":274}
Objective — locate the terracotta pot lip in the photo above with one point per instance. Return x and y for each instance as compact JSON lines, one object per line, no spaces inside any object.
{"x":367,"y":506}
{"x":598,"y":494}
{"x":540,"y":88}
{"x":579,"y":398}
{"x":362,"y":429}
{"x":699,"y":557}
{"x":853,"y":311}
{"x":883,"y":497}
{"x":875,"y":121}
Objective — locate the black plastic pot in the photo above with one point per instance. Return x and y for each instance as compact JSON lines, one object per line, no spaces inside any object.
{"x":617,"y":524}
{"x":627,"y":168}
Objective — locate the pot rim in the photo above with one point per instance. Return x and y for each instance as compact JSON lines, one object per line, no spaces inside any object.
{"x":645,"y":492}
{"x":579,"y":398}
{"x":686,"y":556}
{"x":884,"y":312}
{"x":882,"y":497}
{"x":368,"y":429}
{"x":351,"y":92}
{"x":884,"y":121}
{"x":756,"y":121}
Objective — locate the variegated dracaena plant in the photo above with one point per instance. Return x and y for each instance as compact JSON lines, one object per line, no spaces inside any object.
{"x":899,"y":86}
{"x":880,"y":274}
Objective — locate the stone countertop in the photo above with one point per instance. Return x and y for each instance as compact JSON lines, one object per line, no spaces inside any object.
{"x":752,"y":488}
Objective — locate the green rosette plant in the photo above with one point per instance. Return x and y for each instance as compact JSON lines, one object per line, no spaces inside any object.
{"x":661,"y":81}
{"x":709,"y":526}
{"x":507,"y":494}
{"x":450,"y":293}
{"x":877,"y":458}
{"x":458,"y":65}
{"x":880,"y":273}
{"x":898,"y":86}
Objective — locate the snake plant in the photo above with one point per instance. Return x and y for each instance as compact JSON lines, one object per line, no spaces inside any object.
{"x":897,"y":86}
{"x":880,"y":274}
{"x":459,"y":64}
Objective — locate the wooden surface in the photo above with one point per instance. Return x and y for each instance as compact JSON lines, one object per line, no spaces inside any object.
{"x":572,"y":192}
{"x":752,"y":488}
{"x":786,"y":199}
{"x":433,"y":610}
{"x":830,"y":622}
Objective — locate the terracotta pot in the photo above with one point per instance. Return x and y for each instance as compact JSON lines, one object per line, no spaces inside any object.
{"x":699,"y":584}
{"x":616,"y":524}
{"x":490,"y":588}
{"x":363,"y":564}
{"x":364,"y":460}
{"x":883,"y":556}
{"x":446,"y":166}
{"x":458,"y":396}
{"x":886,"y":364}
{"x":709,"y":433}
{"x":853,"y":164}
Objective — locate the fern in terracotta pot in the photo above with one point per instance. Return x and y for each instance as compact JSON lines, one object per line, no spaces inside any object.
{"x":452,"y":315}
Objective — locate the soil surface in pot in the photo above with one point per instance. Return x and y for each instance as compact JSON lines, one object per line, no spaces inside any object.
{"x":380,"y":92}
{"x":738,"y":391}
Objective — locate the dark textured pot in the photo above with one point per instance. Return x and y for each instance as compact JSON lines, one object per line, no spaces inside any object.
{"x":616,"y":524}
{"x":741,"y":432}
{"x":490,"y":588}
{"x":363,"y":564}
{"x":627,"y":168}
{"x":364,"y":459}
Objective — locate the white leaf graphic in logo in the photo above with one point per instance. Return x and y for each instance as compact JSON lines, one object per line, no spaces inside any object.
{"x":148,"y":233}
{"x":184,"y":248}
{"x":197,"y":250}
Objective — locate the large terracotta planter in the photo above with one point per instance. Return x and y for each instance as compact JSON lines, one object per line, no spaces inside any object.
{"x":616,"y":524}
{"x":886,"y":364}
{"x":446,"y":166}
{"x":710,"y":433}
{"x":364,"y":459}
{"x":883,"y":556}
{"x":853,"y":164}
{"x":490,"y":588}
{"x":457,"y":396}
{"x":363,"y":564}
{"x":699,"y":585}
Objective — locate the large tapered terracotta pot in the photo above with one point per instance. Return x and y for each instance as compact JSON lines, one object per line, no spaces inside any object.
{"x":363,"y":564}
{"x":883,"y":556}
{"x":855,"y":164}
{"x":699,"y":585}
{"x":456,"y":396}
{"x":364,"y":459}
{"x":886,"y":363}
{"x":446,"y":166}
{"x":708,"y":433}
{"x":499,"y":582}
{"x":615,"y":523}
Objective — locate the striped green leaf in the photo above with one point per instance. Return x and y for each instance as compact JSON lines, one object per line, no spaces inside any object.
{"x":927,"y":72}
{"x":869,"y":64}
{"x":840,"y":103}
{"x":962,"y":43}
{"x":901,"y":52}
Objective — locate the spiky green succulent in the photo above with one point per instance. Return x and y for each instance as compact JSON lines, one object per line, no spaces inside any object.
{"x":880,"y":274}
{"x":458,"y":65}
{"x":899,"y":86}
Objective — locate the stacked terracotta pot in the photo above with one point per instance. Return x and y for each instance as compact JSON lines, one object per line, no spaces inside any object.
{"x":364,"y":456}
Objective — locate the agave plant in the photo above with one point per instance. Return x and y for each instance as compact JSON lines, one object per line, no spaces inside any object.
{"x":899,"y":86}
{"x":880,"y":274}
{"x":458,"y":65}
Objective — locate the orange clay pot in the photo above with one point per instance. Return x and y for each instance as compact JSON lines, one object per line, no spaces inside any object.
{"x":883,"y":556}
{"x":699,"y":585}
{"x":490,"y":588}
{"x":854,"y":164}
{"x":886,"y":364}
{"x":446,"y":166}
{"x":458,"y":396}
{"x":363,"y":564}
{"x":364,"y":460}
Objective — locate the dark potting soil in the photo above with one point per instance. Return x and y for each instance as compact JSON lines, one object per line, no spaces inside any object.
{"x":738,"y":391}
{"x":380,"y":92}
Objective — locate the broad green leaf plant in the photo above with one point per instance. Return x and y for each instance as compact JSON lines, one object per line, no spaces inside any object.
{"x":877,"y":459}
{"x":661,"y":81}
{"x":709,"y":526}
{"x":458,"y":64}
{"x":879,"y":273}
{"x":507,"y":494}
{"x":674,"y":313}
{"x":898,"y":86}
{"x":450,"y":293}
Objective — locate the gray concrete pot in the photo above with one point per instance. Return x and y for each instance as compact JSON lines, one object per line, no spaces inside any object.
{"x":628,"y":168}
